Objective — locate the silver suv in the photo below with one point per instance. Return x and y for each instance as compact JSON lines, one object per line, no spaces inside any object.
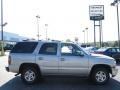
{"x":34,"y":59}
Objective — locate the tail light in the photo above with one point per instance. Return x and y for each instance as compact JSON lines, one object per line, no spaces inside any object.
{"x":9,"y":60}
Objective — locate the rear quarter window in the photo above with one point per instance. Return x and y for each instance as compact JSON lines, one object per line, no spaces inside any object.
{"x":24,"y":47}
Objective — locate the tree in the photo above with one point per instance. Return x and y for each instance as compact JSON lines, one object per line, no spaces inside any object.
{"x":68,"y":40}
{"x":115,"y":44}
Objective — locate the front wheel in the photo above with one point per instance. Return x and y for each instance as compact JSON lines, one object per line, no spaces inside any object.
{"x":29,"y":75}
{"x":100,"y":76}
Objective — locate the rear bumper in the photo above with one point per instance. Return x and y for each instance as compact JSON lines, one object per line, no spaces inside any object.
{"x":114,"y":72}
{"x":7,"y":69}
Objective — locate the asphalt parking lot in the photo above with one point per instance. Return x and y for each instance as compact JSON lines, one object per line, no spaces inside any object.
{"x":9,"y":82}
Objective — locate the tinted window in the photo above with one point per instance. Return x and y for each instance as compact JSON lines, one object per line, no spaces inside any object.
{"x":111,"y":50}
{"x":48,"y":49}
{"x":24,"y":47}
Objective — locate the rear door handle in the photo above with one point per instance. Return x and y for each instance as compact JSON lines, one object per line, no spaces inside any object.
{"x":40,"y":58}
{"x":62,"y":59}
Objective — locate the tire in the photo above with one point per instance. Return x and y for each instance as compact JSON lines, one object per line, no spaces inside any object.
{"x":100,"y":76}
{"x":30,"y":75}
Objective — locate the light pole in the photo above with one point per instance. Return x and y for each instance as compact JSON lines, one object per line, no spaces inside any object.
{"x":2,"y":41}
{"x":38,"y":17}
{"x":87,"y":34}
{"x":46,"y":26}
{"x":84,"y":35}
{"x":116,"y":2}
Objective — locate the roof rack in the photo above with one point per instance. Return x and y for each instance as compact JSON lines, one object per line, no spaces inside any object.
{"x":50,"y":40}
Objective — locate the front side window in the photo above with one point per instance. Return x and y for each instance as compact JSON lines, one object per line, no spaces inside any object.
{"x":111,"y":50}
{"x":48,"y":49}
{"x":70,"y":50}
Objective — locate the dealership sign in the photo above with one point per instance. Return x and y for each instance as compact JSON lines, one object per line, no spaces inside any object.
{"x":96,"y":12}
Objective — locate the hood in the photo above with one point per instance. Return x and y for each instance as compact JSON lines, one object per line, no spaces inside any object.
{"x":101,"y":56}
{"x":103,"y":59}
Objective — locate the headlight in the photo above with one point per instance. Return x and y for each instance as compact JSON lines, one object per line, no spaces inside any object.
{"x":114,"y":63}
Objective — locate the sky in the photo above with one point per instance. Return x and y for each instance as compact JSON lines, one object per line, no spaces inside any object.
{"x":66,"y":19}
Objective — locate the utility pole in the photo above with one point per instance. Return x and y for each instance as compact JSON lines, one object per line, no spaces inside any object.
{"x":2,"y":41}
{"x":38,"y":35}
{"x":116,"y":2}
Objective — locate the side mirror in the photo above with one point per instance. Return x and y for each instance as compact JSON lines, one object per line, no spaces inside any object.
{"x":81,"y":54}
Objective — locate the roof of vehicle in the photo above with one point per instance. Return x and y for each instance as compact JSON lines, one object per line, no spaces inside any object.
{"x":55,"y":41}
{"x":105,"y":48}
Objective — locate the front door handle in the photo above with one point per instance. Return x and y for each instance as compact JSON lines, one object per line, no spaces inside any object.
{"x":40,"y":58}
{"x":62,"y":59}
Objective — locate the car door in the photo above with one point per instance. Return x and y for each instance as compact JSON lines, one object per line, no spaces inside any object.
{"x":73,"y":60}
{"x":47,"y":58}
{"x":117,"y":54}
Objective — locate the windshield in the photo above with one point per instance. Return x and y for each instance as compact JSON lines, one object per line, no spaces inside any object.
{"x":102,"y":49}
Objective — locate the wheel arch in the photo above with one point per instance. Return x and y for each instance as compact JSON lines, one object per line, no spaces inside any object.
{"x":100,"y":66}
{"x":25,"y":65}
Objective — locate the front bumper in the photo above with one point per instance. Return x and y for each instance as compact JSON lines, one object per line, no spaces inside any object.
{"x":114,"y":72}
{"x":7,"y":69}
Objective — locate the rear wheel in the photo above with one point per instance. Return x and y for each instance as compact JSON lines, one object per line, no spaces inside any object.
{"x":30,"y":75}
{"x":100,"y":76}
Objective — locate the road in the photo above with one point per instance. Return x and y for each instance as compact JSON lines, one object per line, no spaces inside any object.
{"x":9,"y":82}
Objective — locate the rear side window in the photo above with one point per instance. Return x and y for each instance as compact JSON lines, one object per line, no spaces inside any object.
{"x":24,"y":47}
{"x":48,"y":49}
